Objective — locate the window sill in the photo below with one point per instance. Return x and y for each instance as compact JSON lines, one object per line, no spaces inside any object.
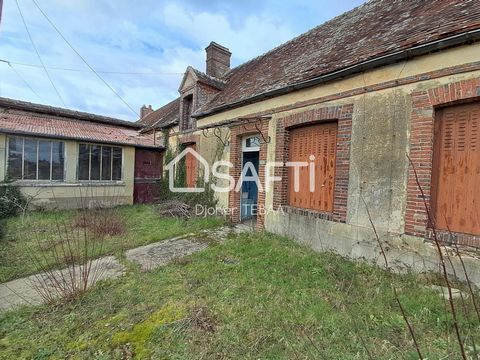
{"x":313,"y":214}
{"x":26,"y":183}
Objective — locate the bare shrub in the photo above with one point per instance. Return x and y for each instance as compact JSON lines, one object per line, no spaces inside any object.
{"x":66,"y":263}
{"x":101,"y":222}
{"x":443,"y":257}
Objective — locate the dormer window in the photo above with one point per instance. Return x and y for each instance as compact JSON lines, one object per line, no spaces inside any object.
{"x":187,"y":120}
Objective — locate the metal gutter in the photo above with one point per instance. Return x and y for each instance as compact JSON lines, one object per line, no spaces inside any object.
{"x":456,"y":40}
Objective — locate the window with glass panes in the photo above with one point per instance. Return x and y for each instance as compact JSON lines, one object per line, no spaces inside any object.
{"x":35,"y":159}
{"x":99,"y":162}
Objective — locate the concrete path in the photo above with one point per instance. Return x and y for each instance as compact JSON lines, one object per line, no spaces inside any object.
{"x":36,"y":289}
{"x":161,"y":253}
{"x":32,"y":290}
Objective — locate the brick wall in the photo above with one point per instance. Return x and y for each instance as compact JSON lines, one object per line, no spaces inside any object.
{"x":186,"y":139}
{"x":424,"y":104}
{"x":204,"y":93}
{"x":343,"y":116}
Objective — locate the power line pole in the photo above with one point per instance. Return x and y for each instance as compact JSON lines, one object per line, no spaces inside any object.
{"x":1,"y":7}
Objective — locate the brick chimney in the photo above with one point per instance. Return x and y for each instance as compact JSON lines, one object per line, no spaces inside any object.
{"x":218,"y":59}
{"x":144,"y":111}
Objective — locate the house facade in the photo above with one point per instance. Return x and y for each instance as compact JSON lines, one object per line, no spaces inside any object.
{"x":387,"y":99}
{"x":67,"y":159}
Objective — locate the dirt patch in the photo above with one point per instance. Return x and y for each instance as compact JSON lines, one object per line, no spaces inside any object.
{"x":201,"y":319}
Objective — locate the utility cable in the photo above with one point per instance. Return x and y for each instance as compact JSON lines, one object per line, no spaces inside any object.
{"x":24,"y":80}
{"x":83,"y":70}
{"x":38,"y":54}
{"x":81,"y":57}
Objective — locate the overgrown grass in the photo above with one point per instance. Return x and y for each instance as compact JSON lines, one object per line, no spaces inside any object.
{"x":260,"y":297}
{"x":40,"y":229}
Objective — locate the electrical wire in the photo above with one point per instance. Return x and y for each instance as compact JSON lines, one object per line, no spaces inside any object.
{"x":81,"y":57}
{"x":83,"y":70}
{"x":24,"y":80}
{"x":38,"y":54}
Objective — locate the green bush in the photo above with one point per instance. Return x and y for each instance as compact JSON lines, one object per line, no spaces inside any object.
{"x":11,"y":200}
{"x":11,"y":203}
{"x":206,"y":198}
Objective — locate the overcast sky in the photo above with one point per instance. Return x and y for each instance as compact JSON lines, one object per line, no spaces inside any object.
{"x":154,"y":40}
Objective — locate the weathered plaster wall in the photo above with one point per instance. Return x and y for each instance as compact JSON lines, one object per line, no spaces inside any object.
{"x":404,"y":253}
{"x":212,"y":149}
{"x":378,"y":163}
{"x":71,"y":193}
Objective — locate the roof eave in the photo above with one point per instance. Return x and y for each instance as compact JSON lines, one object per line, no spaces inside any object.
{"x":87,"y":139}
{"x":456,"y":40}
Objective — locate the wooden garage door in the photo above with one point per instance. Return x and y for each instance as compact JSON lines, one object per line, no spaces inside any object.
{"x":318,"y":140}
{"x":191,"y":168}
{"x":456,"y":169}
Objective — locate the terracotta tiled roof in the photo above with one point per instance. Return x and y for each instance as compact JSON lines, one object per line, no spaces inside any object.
{"x":375,"y":29}
{"x":167,"y":115}
{"x":67,"y":113}
{"x":13,"y":121}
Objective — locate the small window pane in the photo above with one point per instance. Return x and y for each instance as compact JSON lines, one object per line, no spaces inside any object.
{"x":15,"y":149}
{"x":106,"y":163}
{"x":44,"y":153}
{"x":58,"y":160}
{"x":117,"y":164}
{"x":30,"y":159}
{"x":95,"y":159}
{"x":253,"y":141}
{"x":83,"y":161}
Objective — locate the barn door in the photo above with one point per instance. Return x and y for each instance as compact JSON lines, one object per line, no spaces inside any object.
{"x":456,"y":169}
{"x":320,"y":141}
{"x":191,"y":167}
{"x":148,"y":170}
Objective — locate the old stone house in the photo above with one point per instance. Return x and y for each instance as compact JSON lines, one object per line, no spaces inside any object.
{"x":388,"y":79}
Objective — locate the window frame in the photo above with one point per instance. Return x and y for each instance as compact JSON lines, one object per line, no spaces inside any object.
{"x":37,"y":139}
{"x":187,"y":122}
{"x":246,"y":148}
{"x":111,"y":181}
{"x":343,"y":114}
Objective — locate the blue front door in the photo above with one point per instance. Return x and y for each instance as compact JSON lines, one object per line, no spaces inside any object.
{"x":248,"y":200}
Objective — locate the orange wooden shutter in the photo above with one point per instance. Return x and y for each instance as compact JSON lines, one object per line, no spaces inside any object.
{"x":191,"y":168}
{"x":456,"y":172}
{"x":320,"y":141}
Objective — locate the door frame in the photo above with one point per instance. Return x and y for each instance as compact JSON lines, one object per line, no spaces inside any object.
{"x":249,"y":148}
